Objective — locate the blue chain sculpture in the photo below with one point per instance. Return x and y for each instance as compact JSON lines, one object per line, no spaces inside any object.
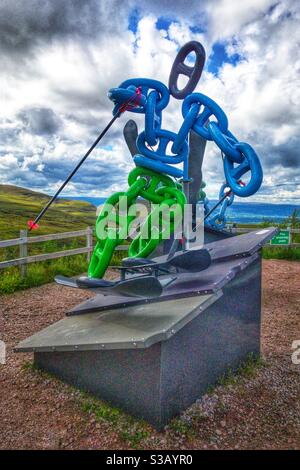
{"x":164,"y":155}
{"x":198,"y":111}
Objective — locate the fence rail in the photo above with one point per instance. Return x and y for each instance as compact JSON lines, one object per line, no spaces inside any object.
{"x":246,"y":230}
{"x":23,"y":241}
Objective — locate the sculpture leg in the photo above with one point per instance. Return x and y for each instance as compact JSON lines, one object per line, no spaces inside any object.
{"x":197,"y":149}
{"x":130,"y":133}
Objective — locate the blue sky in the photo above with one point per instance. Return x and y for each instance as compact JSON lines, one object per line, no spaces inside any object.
{"x":59,"y":59}
{"x":218,"y":55}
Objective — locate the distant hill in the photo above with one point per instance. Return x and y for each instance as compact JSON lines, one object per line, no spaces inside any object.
{"x":18,"y":205}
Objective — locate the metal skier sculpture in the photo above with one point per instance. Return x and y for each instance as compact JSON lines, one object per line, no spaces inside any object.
{"x":156,"y":177}
{"x":163,"y":176}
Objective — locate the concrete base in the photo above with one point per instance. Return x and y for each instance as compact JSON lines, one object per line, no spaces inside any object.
{"x":158,"y":382}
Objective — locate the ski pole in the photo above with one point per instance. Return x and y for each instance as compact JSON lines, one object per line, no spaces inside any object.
{"x":32,"y":224}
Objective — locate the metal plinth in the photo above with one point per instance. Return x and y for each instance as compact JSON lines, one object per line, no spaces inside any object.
{"x":149,"y":370}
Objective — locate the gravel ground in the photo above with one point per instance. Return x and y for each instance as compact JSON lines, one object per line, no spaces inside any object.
{"x":257,"y":410}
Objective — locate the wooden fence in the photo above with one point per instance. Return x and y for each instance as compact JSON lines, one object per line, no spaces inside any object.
{"x":23,"y":241}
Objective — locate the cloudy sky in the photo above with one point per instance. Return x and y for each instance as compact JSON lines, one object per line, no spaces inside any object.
{"x":59,"y":58}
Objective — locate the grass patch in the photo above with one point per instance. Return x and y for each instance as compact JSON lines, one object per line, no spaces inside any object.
{"x":134,"y":437}
{"x":101,"y":410}
{"x":41,"y":273}
{"x":131,"y":430}
{"x":228,"y":378}
{"x":210,"y":389}
{"x":246,"y":369}
{"x":182,"y":428}
{"x":222,"y":407}
{"x":29,"y":366}
{"x":249,"y":368}
{"x":289,"y":253}
{"x":43,"y":374}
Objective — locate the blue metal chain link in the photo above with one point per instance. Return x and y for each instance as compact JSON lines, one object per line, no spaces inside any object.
{"x":210,"y":108}
{"x":218,"y":221}
{"x":153,"y":118}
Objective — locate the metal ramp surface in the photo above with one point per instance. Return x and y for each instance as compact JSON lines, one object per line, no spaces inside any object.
{"x":129,"y":327}
{"x":230,"y":256}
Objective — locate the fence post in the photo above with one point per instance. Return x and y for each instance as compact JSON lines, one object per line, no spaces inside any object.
{"x":289,"y":227}
{"x":23,"y":251}
{"x":89,"y":242}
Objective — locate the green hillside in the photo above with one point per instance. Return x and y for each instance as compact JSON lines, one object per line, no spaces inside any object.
{"x":18,"y":205}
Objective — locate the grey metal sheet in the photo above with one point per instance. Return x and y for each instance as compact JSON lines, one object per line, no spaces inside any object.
{"x":235,"y":246}
{"x":240,"y":245}
{"x":229,"y":255}
{"x":131,"y":327}
{"x":186,"y":285}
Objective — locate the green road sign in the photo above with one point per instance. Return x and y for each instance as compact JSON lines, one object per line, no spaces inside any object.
{"x":281,"y":238}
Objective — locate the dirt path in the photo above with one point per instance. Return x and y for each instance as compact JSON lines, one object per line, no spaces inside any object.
{"x":263,"y":411}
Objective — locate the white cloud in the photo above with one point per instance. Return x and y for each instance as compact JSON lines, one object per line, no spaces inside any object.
{"x":71,"y":76}
{"x":227,"y":17}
